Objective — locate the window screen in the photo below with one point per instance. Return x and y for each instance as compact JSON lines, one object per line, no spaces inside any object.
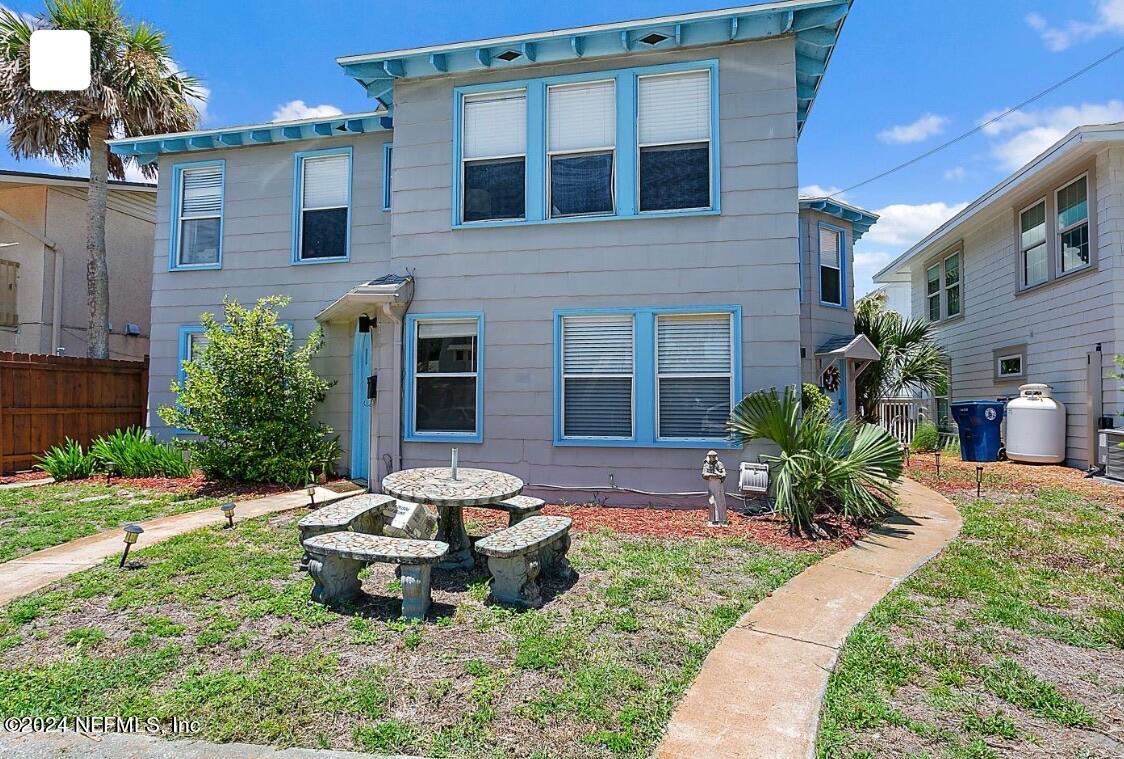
{"x":493,"y":150}
{"x":673,"y":111}
{"x":597,"y":376}
{"x":831,"y":280}
{"x":581,"y":135}
{"x":445,"y":376}
{"x":325,"y":192}
{"x":200,"y":216}
{"x":694,"y":362}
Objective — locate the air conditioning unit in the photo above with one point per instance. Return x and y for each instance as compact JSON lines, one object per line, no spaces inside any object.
{"x":1113,"y":454}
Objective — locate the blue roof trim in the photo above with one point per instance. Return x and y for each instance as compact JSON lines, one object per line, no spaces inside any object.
{"x":147,"y":149}
{"x":815,"y":23}
{"x":861,"y":220}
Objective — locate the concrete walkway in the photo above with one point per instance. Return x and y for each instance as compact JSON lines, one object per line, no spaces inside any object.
{"x":760,"y":689}
{"x":21,"y":576}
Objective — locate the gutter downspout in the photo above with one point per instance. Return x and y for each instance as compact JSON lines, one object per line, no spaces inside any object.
{"x":56,"y":285}
{"x":395,"y":316}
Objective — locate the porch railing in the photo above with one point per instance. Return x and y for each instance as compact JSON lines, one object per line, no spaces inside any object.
{"x":899,"y":417}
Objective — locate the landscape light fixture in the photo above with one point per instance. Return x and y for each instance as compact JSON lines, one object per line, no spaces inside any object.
{"x":311,"y":490}
{"x":979,"y":479}
{"x":227,"y":510}
{"x":132,"y":532}
{"x":905,"y":448}
{"x":108,"y":472}
{"x":938,"y":455}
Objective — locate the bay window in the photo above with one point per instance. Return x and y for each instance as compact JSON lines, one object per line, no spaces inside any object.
{"x":494,"y":156}
{"x":444,"y":371}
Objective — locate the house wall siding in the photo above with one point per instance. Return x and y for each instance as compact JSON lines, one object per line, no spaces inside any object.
{"x":1060,"y":323}
{"x":819,"y":322}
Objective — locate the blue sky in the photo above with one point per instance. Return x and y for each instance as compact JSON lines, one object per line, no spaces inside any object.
{"x":907,"y":74}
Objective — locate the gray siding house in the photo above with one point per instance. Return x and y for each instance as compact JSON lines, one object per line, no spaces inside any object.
{"x":1026,"y":284}
{"x":567,"y":254}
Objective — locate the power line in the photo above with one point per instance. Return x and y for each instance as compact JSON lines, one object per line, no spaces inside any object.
{"x":985,"y":124}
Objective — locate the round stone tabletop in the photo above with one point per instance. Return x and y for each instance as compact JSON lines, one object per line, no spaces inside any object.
{"x":436,"y":486}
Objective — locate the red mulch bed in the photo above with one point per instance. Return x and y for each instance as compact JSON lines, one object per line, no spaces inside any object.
{"x":197,"y":486}
{"x":959,"y":478}
{"x":28,"y":476}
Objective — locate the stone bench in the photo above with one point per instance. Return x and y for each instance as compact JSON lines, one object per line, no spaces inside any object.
{"x":518,"y":508}
{"x":517,"y":555}
{"x":365,"y":513}
{"x":336,"y":558}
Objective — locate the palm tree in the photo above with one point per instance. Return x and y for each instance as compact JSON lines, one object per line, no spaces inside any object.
{"x":824,"y":467}
{"x":911,"y":358}
{"x":135,"y":89}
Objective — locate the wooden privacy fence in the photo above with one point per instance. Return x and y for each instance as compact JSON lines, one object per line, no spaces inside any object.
{"x":46,"y":399}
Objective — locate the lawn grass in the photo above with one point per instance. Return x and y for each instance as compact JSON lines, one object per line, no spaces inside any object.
{"x":216,"y":625}
{"x":47,"y":515}
{"x":1009,"y":643}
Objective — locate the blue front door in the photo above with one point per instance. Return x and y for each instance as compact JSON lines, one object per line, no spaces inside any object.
{"x":360,"y":405}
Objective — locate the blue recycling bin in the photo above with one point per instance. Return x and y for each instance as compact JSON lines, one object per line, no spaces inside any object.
{"x":979,"y":429}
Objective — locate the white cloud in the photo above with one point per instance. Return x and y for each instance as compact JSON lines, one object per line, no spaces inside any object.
{"x":928,"y":125}
{"x":899,"y":227}
{"x":1109,"y":20}
{"x":1025,"y":134}
{"x":819,"y":191}
{"x":296,"y":109}
{"x":955,"y":174}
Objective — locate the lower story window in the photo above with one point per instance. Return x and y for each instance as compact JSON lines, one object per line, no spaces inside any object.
{"x":445,"y":376}
{"x":695,"y":372}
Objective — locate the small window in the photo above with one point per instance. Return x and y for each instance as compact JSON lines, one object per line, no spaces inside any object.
{"x":674,"y":111}
{"x":199,"y":225}
{"x":324,"y":211}
{"x":933,"y":292}
{"x":952,"y":285}
{"x":831,"y":263}
{"x":387,"y":165}
{"x":1009,"y":363}
{"x":1011,"y":366}
{"x":494,"y":156}
{"x":1032,"y":244}
{"x":597,"y":377}
{"x":1073,"y":226}
{"x":446,"y":373}
{"x":694,"y":365}
{"x":581,"y":139}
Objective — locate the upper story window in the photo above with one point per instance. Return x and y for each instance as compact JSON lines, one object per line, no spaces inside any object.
{"x":197,"y":210}
{"x":581,"y":142}
{"x":832,"y":254}
{"x":1034,"y":260}
{"x":322,"y":212}
{"x":674,"y":126}
{"x":1073,"y":226}
{"x":387,"y":166}
{"x":444,"y":395}
{"x":603,"y":145}
{"x":494,"y":156}
{"x":942,"y":288}
{"x":1055,"y":234}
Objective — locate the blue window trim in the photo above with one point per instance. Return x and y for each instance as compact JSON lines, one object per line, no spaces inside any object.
{"x":411,"y":434}
{"x":844,"y":291}
{"x":186,"y":331}
{"x":174,"y":227}
{"x":800,"y":260}
{"x":298,"y":180}
{"x":626,"y":173}
{"x":644,"y":432}
{"x":387,"y":157}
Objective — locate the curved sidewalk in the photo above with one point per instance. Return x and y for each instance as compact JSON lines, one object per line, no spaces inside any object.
{"x":21,"y":576}
{"x":760,"y":690}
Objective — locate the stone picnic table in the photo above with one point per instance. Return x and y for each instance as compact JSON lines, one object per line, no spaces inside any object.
{"x":436,"y":486}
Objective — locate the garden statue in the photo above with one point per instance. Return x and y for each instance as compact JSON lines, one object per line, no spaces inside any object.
{"x":715,"y":475}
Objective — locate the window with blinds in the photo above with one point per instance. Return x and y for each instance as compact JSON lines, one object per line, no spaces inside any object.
{"x":200,"y":216}
{"x":581,"y":139}
{"x":597,"y":376}
{"x":445,"y":376}
{"x":494,"y":156}
{"x":831,"y":256}
{"x":673,"y":112}
{"x":325,"y":198}
{"x":695,"y":372}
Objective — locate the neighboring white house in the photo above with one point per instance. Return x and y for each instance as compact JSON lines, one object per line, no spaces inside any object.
{"x":568,"y":253}
{"x":1026,"y":283}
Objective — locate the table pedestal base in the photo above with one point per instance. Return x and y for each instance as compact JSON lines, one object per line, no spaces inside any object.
{"x":450,"y":529}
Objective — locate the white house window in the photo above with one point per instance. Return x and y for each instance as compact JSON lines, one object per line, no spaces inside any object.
{"x":324,"y":206}
{"x":200,"y":216}
{"x":943,"y":287}
{"x":695,"y":373}
{"x":831,"y":274}
{"x":581,"y":139}
{"x":445,"y":376}
{"x":1073,"y":225}
{"x":1032,"y":245}
{"x":952,"y":285}
{"x":674,"y":141}
{"x":933,"y":292}
{"x":494,"y":156}
{"x":1010,"y":365}
{"x":1009,"y":362}
{"x":597,"y":376}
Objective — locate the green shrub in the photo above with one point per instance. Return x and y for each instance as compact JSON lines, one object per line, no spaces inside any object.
{"x":133,"y":453}
{"x":814,"y":399}
{"x":67,"y":461}
{"x":250,"y":395}
{"x":926,"y":438}
{"x":824,"y":466}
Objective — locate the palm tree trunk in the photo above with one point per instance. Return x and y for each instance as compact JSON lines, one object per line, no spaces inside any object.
{"x":97,"y":271}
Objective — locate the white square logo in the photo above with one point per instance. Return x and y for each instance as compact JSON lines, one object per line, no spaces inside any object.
{"x":60,"y":59}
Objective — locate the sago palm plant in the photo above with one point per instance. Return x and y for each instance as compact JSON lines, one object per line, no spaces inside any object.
{"x":135,"y":89}
{"x":824,"y":466}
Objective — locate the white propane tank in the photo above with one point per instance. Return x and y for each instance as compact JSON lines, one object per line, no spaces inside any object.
{"x":1035,"y":426}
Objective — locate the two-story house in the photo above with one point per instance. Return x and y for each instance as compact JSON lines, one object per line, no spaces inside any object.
{"x":566,"y":253}
{"x":1025,"y":284}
